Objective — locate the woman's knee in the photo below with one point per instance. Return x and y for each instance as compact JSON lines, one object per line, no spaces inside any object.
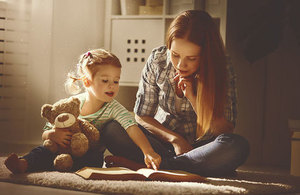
{"x":237,"y":145}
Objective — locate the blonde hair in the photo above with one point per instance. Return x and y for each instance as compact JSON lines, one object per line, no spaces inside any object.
{"x":198,"y":27}
{"x":87,"y":68}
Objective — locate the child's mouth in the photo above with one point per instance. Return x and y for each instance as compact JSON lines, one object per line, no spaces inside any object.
{"x":110,"y":94}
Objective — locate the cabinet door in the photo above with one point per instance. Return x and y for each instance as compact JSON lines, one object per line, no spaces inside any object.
{"x":132,"y":42}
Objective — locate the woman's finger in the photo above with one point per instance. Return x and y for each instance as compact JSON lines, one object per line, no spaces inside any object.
{"x":176,"y":78}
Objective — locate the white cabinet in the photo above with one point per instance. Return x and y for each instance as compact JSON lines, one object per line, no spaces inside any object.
{"x":132,"y":41}
{"x":131,"y":34}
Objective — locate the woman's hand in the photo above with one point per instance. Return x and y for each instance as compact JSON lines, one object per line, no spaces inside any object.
{"x":61,"y":136}
{"x":181,"y":145}
{"x":187,"y":86}
{"x":152,"y":160}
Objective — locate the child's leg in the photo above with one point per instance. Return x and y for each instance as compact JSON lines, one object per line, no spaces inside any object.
{"x":16,"y":165}
{"x":119,"y":143}
{"x":39,"y":159}
{"x":118,"y":161}
{"x":93,"y":158}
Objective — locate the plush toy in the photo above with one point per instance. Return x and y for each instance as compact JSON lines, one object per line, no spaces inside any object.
{"x":64,"y":115}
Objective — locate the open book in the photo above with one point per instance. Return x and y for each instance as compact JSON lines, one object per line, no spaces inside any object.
{"x":121,"y":173}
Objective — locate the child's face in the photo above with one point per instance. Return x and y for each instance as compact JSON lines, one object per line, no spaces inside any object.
{"x":105,"y":84}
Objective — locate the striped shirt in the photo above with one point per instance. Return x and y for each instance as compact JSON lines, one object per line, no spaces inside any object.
{"x":109,"y":111}
{"x":156,"y":97}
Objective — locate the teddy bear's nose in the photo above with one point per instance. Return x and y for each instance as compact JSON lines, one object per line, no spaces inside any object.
{"x":62,"y":118}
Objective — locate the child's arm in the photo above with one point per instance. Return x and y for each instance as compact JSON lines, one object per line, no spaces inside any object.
{"x":61,"y":137}
{"x":152,"y":159}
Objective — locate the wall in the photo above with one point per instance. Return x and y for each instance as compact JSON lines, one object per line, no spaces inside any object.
{"x":78,"y":25}
{"x":61,"y":30}
{"x":268,"y":89}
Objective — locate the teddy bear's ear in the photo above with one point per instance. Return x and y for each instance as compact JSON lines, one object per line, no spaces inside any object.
{"x":76,"y":100}
{"x":46,"y":108}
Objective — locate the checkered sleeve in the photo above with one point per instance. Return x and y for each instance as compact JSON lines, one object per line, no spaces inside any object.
{"x":231,"y":104}
{"x":147,"y":95}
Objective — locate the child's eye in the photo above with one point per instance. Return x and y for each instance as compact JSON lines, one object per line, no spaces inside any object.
{"x":104,"y":81}
{"x":116,"y":82}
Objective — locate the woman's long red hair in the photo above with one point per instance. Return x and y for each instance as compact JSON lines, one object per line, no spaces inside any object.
{"x":198,"y":27}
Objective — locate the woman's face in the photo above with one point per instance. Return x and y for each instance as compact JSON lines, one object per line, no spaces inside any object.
{"x":185,"y":57}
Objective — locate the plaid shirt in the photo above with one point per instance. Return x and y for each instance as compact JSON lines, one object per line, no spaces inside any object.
{"x":156,"y":96}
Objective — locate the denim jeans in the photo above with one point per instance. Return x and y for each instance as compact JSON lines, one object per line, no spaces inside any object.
{"x":216,"y":157}
{"x":41,"y":159}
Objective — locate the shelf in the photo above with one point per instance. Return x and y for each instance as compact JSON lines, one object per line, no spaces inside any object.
{"x":142,"y":16}
{"x":136,"y":16}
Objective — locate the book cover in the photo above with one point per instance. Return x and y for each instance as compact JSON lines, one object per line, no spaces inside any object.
{"x":121,"y":173}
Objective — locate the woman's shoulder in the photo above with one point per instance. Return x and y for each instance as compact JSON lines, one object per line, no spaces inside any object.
{"x":159,"y":51}
{"x":159,"y":57}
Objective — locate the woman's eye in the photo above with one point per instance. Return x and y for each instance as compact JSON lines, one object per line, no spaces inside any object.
{"x":192,"y":59}
{"x":175,"y":55}
{"x":116,"y":82}
{"x":104,"y":81}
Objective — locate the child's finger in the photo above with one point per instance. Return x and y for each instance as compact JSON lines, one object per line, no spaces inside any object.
{"x":148,"y":165}
{"x":153,"y":165}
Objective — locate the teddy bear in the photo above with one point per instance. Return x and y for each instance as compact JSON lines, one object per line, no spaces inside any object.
{"x":64,"y":115}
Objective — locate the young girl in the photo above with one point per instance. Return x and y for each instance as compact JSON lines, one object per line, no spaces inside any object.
{"x":100,"y":72}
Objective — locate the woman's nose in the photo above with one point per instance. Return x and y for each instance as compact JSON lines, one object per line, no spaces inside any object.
{"x":180,"y":64}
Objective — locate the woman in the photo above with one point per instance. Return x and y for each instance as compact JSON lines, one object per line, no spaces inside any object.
{"x":186,"y":102}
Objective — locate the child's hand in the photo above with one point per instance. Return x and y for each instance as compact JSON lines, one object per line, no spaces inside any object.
{"x":152,"y":160}
{"x":61,"y":136}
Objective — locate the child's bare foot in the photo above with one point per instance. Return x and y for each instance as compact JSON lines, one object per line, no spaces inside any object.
{"x":16,"y":165}
{"x":118,"y":161}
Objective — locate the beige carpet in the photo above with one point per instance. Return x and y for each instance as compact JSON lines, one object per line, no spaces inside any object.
{"x":244,"y":183}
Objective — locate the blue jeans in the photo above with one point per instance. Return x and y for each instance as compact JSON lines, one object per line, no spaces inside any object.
{"x":41,"y":159}
{"x":216,"y":157}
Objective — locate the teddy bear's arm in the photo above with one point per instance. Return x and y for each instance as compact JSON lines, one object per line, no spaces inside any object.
{"x":90,"y":132}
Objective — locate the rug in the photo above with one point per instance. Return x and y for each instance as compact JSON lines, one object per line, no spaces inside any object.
{"x":245,"y":182}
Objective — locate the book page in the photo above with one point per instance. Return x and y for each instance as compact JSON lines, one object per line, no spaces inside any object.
{"x":171,"y":175}
{"x":147,"y":172}
{"x":113,"y":173}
